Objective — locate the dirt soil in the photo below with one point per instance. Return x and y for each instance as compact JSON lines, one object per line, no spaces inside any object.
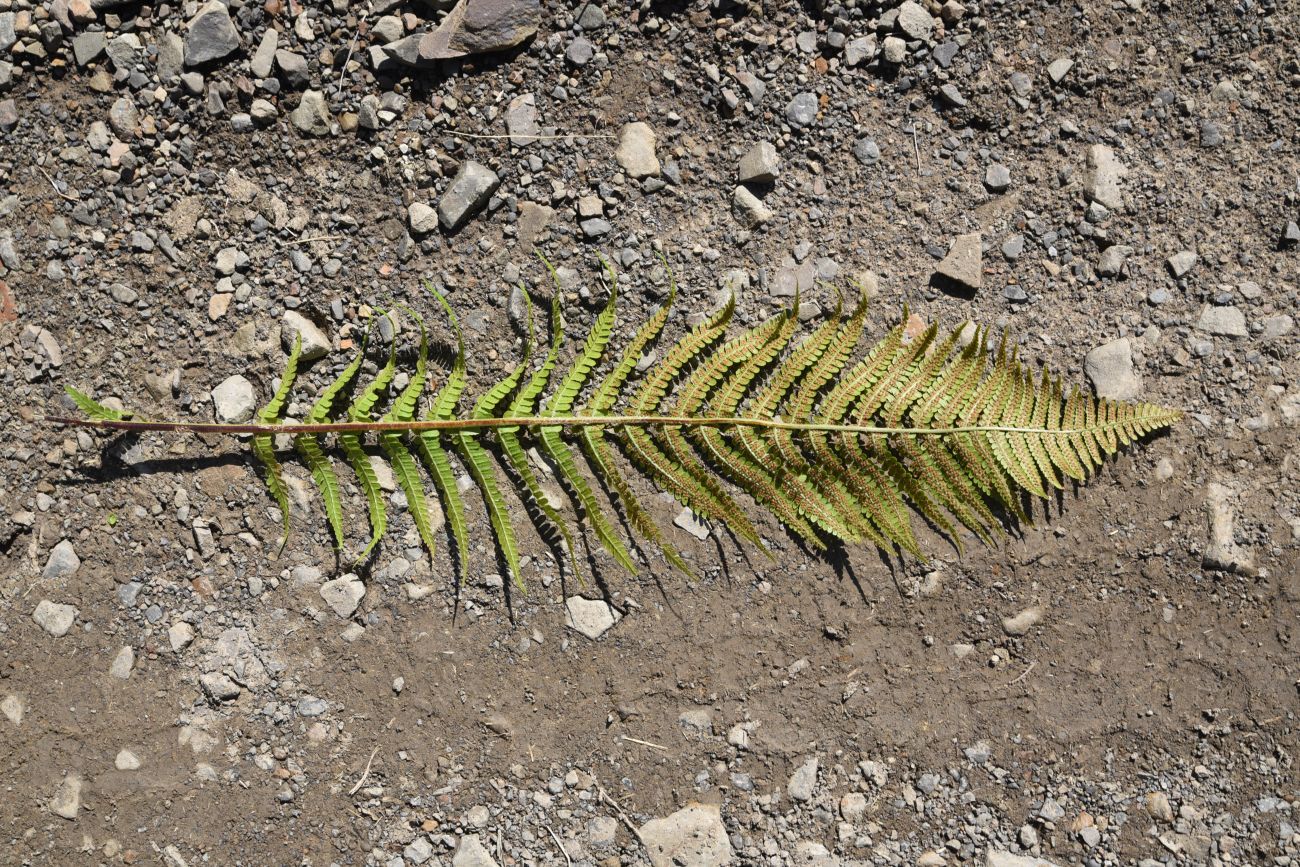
{"x":1142,"y":712}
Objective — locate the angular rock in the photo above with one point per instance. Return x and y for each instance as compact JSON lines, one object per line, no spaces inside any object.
{"x":694,"y":836}
{"x":1223,"y":321}
{"x":952,"y":96}
{"x":66,"y":801}
{"x":1021,"y":623}
{"x":468,"y":192}
{"x":801,"y":110}
{"x":1182,"y":262}
{"x":592,"y":617}
{"x":126,"y":761}
{"x":234,"y":400}
{"x":1110,"y":369}
{"x":859,"y":51}
{"x":171,"y":56}
{"x":210,"y":34}
{"x":63,"y":562}
{"x":12,"y":708}
{"x":1112,"y":259}
{"x":88,"y":46}
{"x":894,"y":50}
{"x":1290,"y":234}
{"x":219,"y":687}
{"x":315,"y":343}
{"x":471,"y":27}
{"x":312,"y":116}
{"x":343,"y":595}
{"x":1102,"y":181}
{"x":123,"y":663}
{"x":293,"y":66}
{"x":180,"y":636}
{"x":999,"y":858}
{"x":964,"y":264}
{"x":636,"y":151}
{"x":263,"y":62}
{"x":997,"y":178}
{"x":55,"y":618}
{"x":748,"y":209}
{"x":1059,"y":68}
{"x":1223,"y":552}
{"x":803,"y":781}
{"x":521,"y":119}
{"x":470,"y":852}
{"x":914,"y":21}
{"x":760,"y":165}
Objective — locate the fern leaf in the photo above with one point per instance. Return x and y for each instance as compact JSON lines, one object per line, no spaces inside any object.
{"x":264,"y":444}
{"x":360,"y":411}
{"x":94,"y":411}
{"x":429,"y":445}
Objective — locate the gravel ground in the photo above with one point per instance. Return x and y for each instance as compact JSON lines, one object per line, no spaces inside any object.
{"x":187,"y":186}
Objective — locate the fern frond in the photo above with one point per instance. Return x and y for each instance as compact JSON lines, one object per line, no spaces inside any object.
{"x":264,"y":444}
{"x":837,"y":450}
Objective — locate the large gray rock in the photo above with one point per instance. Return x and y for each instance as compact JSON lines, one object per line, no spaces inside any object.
{"x":1110,"y":369}
{"x":210,"y":35}
{"x":636,"y":151}
{"x":470,"y":852}
{"x":1112,"y":260}
{"x":803,"y":781}
{"x":472,"y":27}
{"x":468,"y":192}
{"x":66,"y":801}
{"x":964,"y":264}
{"x":760,"y":165}
{"x":1223,"y":321}
{"x":312,"y":116}
{"x":693,"y":835}
{"x":914,"y":21}
{"x":87,"y":46}
{"x":521,"y":119}
{"x":998,"y":858}
{"x":263,"y":62}
{"x":171,"y":56}
{"x":63,"y":562}
{"x":748,"y":209}
{"x":1102,"y":182}
{"x":343,"y":595}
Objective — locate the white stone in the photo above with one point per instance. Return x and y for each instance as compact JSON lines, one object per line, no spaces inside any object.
{"x":592,"y":617}
{"x":1102,"y":181}
{"x":636,"y":151}
{"x":748,"y":209}
{"x":123,"y":663}
{"x":12,"y":707}
{"x":234,"y":400}
{"x":914,"y":21}
{"x":470,"y":852}
{"x":66,"y":801}
{"x":54,"y":618}
{"x":998,"y":858}
{"x":126,"y":761}
{"x":315,"y":343}
{"x":694,"y":836}
{"x":423,"y":218}
{"x":1022,"y":622}
{"x":180,"y":635}
{"x":343,"y":595}
{"x":1223,"y":321}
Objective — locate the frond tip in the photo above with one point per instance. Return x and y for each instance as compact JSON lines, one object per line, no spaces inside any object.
{"x":837,"y":450}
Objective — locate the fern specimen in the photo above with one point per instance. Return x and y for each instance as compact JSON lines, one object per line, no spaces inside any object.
{"x":838,"y":450}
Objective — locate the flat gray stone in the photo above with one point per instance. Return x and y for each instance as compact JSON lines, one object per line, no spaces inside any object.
{"x":263,"y":62}
{"x":87,"y":46}
{"x":54,"y":617}
{"x":171,"y":56}
{"x":470,"y":852}
{"x":123,"y":663}
{"x":592,"y":617}
{"x":964,"y":264}
{"x":894,"y":50}
{"x":1059,"y":68}
{"x":748,"y":209}
{"x":694,"y":836}
{"x":760,"y":164}
{"x":315,"y":343}
{"x":636,"y":151}
{"x":1102,"y":182}
{"x":1110,"y":369}
{"x":62,"y":562}
{"x":234,"y":400}
{"x":997,"y":178}
{"x":343,"y":595}
{"x":803,"y":781}
{"x":126,"y":760}
{"x":466,"y":195}
{"x":859,"y":51}
{"x":1000,"y":858}
{"x":1223,"y":321}
{"x":210,"y":34}
{"x":521,"y":119}
{"x":802,"y":109}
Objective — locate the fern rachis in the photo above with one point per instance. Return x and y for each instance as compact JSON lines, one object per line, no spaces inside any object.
{"x":836,"y":450}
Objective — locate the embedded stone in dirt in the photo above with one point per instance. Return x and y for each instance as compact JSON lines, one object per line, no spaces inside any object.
{"x":12,"y":707}
{"x":748,"y":209}
{"x":63,"y":562}
{"x":54,"y":618}
{"x":343,"y":595}
{"x":312,"y":116}
{"x":693,"y":835}
{"x":760,"y":165}
{"x":1022,"y":622}
{"x":469,"y":191}
{"x":1110,"y":369}
{"x":234,"y":400}
{"x":964,"y":264}
{"x":1105,"y":172}
{"x":998,"y":858}
{"x":1223,"y":321}
{"x":123,"y":663}
{"x":126,"y":761}
{"x":592,"y":617}
{"x":636,"y":151}
{"x":66,"y":801}
{"x":470,"y":852}
{"x":803,"y":781}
